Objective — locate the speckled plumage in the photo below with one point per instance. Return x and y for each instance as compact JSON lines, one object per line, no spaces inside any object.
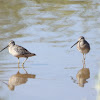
{"x":18,"y":51}
{"x":83,"y":46}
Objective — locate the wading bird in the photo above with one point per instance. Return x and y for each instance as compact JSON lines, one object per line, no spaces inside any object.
{"x":18,"y":51}
{"x":83,"y":46}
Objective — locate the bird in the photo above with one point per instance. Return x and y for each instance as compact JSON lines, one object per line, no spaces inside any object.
{"x":83,"y":46}
{"x":18,"y":51}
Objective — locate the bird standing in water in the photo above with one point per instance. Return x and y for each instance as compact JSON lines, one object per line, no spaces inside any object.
{"x":18,"y":51}
{"x":83,"y":46}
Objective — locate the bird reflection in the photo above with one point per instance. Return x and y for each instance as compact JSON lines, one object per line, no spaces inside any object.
{"x":18,"y":79}
{"x":82,"y":76}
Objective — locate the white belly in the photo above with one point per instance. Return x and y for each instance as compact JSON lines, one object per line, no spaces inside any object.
{"x":84,"y":51}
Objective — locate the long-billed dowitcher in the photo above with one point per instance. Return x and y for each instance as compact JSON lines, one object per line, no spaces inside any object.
{"x":83,"y":46}
{"x":18,"y":51}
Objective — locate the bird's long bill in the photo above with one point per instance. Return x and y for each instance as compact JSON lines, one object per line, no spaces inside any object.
{"x":75,"y":44}
{"x":4,"y":48}
{"x":4,"y":82}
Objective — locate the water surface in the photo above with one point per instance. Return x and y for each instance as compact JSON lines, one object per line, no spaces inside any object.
{"x":49,"y":28}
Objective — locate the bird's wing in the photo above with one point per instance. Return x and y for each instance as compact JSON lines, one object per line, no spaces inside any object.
{"x":21,"y":50}
{"x":86,"y":44}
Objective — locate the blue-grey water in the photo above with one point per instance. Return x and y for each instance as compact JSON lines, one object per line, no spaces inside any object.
{"x":49,"y":28}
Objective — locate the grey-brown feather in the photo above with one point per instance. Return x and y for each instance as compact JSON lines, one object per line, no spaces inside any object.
{"x":84,"y":44}
{"x":21,"y":50}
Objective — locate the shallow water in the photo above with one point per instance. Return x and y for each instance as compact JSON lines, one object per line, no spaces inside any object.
{"x":49,"y":28}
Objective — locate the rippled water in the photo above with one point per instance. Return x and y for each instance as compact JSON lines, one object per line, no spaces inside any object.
{"x":49,"y":28}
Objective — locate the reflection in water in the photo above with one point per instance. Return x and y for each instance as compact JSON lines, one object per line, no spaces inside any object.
{"x":18,"y":79}
{"x":49,"y":25}
{"x":82,"y":75}
{"x":23,"y":18}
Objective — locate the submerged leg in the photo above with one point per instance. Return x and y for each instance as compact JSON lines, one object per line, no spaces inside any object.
{"x":24,"y":70}
{"x":24,"y":62}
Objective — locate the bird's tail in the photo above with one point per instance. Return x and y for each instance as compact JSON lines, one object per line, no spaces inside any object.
{"x":33,"y":54}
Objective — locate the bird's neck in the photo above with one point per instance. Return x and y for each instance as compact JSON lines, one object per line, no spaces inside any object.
{"x":82,"y":41}
{"x":11,"y":45}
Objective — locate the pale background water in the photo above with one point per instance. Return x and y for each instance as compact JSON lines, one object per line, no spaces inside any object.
{"x":49,"y":28}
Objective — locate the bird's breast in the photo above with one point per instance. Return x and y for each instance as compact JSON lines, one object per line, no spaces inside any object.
{"x":13,"y":51}
{"x":83,"y":48}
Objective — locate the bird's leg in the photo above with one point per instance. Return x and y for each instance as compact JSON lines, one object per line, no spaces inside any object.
{"x":84,"y":61}
{"x":24,"y":62}
{"x":18,"y":63}
{"x":84,"y":57}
